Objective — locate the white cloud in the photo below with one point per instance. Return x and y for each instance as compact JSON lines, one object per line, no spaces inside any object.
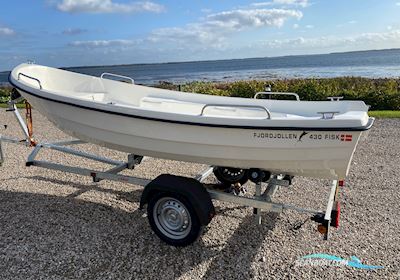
{"x":295,"y":26}
{"x":398,"y":4}
{"x":6,"y":31}
{"x":103,"y":43}
{"x":215,"y":27}
{"x":364,"y":40}
{"x":108,"y":6}
{"x":309,"y":26}
{"x":212,"y":33}
{"x":193,"y":33}
{"x":73,"y":31}
{"x":261,"y":4}
{"x":301,"y":3}
{"x":240,"y":19}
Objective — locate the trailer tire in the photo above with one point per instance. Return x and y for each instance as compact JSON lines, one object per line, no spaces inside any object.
{"x":173,"y":218}
{"x":229,"y":176}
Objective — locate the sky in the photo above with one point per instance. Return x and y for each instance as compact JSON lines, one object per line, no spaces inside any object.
{"x":103,"y":32}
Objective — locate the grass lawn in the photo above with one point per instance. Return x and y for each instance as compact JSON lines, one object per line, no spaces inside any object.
{"x":384,"y":114}
{"x":3,"y":105}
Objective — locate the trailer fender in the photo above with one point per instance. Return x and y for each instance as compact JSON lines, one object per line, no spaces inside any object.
{"x":190,"y":188}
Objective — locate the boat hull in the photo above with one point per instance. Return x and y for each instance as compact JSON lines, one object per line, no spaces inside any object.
{"x":310,"y":153}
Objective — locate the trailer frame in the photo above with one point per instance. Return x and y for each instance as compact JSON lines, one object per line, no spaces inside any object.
{"x":262,"y":200}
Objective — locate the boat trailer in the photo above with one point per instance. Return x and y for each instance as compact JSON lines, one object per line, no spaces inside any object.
{"x":178,"y":208}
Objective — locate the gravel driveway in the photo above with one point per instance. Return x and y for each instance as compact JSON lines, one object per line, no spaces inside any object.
{"x":62,"y":226}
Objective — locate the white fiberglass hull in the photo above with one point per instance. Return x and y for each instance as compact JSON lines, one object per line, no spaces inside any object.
{"x":320,"y":154}
{"x":287,"y":138}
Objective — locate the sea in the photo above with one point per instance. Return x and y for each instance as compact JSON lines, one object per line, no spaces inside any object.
{"x":370,"y":64}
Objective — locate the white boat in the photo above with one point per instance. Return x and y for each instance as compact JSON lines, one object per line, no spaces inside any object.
{"x":313,"y":139}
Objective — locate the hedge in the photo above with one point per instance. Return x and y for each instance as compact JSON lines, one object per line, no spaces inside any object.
{"x":380,"y":94}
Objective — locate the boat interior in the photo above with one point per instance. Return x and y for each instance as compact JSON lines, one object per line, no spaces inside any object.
{"x":123,"y":92}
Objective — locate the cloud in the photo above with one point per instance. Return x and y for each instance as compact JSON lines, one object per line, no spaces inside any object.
{"x":6,"y":31}
{"x":301,"y":3}
{"x":213,"y":32}
{"x":215,"y":27}
{"x":309,"y":26}
{"x":108,"y":6}
{"x":363,"y":40}
{"x":192,"y":33}
{"x":103,"y":43}
{"x":211,"y":35}
{"x":240,"y":19}
{"x":74,"y":31}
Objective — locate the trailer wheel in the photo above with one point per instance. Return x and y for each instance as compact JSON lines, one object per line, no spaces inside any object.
{"x":173,"y":219}
{"x":229,"y":176}
{"x":257,"y":175}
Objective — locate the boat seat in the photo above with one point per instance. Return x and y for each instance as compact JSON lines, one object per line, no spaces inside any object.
{"x":171,"y":105}
{"x":92,"y":90}
{"x":184,"y":107}
{"x":93,"y":85}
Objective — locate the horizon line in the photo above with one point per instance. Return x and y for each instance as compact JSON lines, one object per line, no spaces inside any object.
{"x":213,"y":60}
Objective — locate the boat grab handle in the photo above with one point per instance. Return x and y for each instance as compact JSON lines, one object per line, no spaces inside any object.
{"x":32,"y":78}
{"x":237,"y":106}
{"x":277,"y":93}
{"x":117,"y":76}
{"x":328,"y":115}
{"x":335,"y":98}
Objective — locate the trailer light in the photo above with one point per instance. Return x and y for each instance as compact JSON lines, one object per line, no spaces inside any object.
{"x":336,"y":215}
{"x":322,"y":229}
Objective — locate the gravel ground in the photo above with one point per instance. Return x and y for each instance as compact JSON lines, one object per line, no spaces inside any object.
{"x":62,"y":226}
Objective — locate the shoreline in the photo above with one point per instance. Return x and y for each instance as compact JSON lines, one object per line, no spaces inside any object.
{"x":356,"y":52}
{"x":222,"y":77}
{"x":225,"y":80}
{"x":373,"y":64}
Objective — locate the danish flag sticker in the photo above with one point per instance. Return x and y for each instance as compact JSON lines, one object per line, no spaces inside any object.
{"x":346,"y":137}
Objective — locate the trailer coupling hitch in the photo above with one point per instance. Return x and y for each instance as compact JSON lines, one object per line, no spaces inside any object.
{"x":320,"y":218}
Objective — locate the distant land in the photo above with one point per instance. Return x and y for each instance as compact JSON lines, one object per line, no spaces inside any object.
{"x":239,"y":59}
